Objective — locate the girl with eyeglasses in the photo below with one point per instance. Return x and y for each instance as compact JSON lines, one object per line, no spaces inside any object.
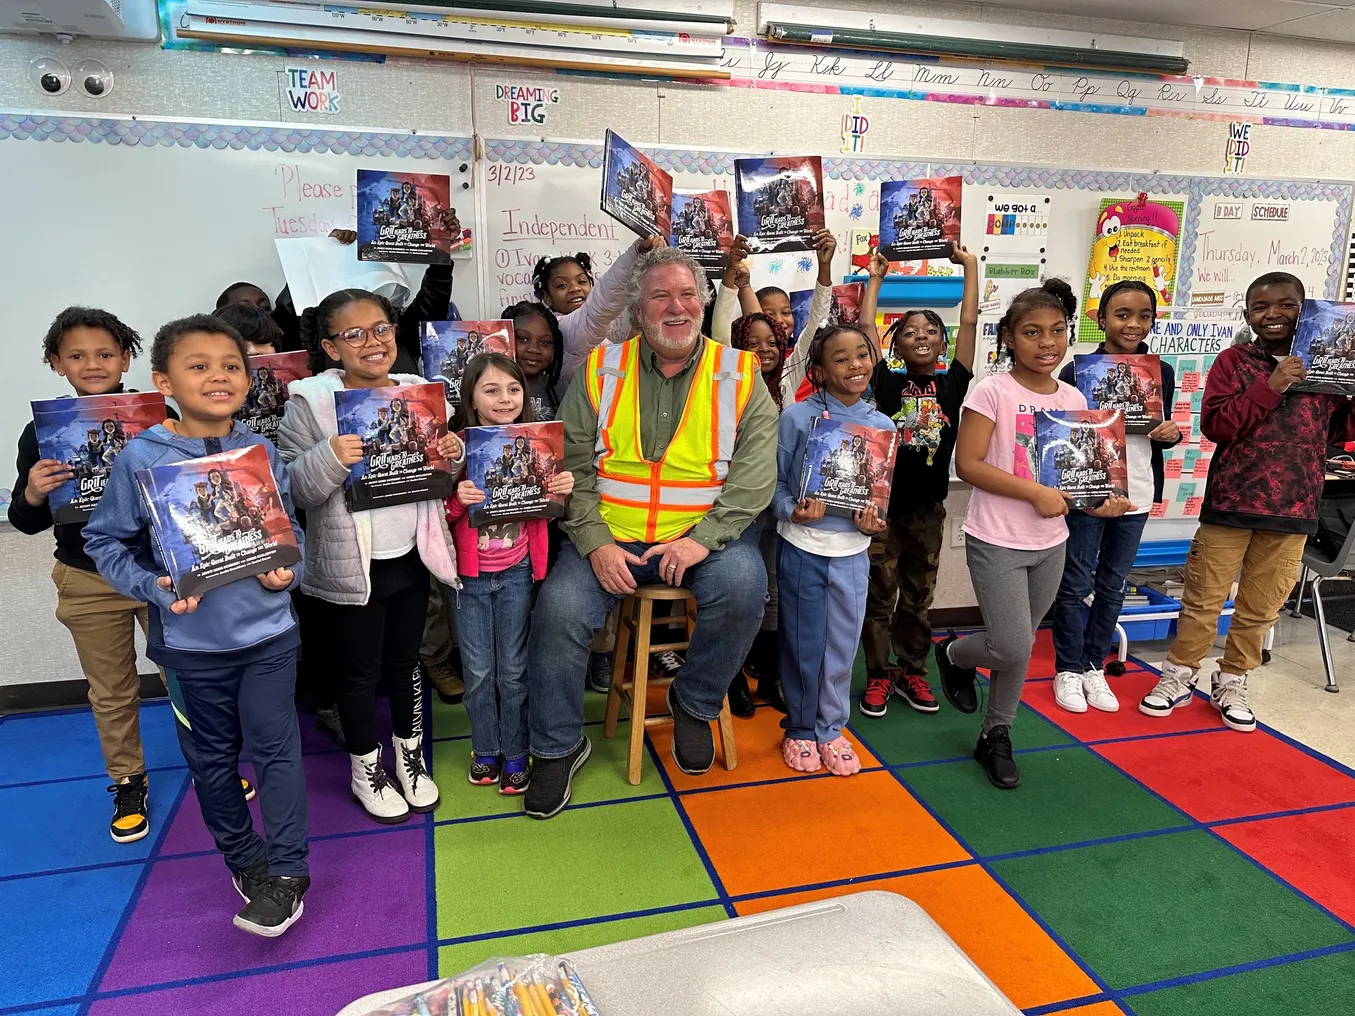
{"x":371,"y":568}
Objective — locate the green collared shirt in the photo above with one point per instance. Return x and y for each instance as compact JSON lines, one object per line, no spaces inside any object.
{"x":747,"y":488}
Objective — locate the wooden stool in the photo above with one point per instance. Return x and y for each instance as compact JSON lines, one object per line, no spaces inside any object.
{"x":637,"y":617}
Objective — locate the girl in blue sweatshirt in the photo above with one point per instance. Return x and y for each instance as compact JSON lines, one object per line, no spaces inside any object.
{"x":822,"y":564}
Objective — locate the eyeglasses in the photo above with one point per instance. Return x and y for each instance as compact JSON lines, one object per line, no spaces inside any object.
{"x":358,"y":336}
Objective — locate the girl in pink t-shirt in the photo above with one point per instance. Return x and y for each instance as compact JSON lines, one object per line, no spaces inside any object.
{"x":1014,"y":528}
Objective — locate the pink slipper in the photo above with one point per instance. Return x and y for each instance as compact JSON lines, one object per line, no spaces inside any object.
{"x":839,"y":757}
{"x":800,"y":755}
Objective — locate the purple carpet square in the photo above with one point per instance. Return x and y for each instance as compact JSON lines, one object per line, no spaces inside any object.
{"x":320,"y":990}
{"x":313,"y":739}
{"x":368,"y":892}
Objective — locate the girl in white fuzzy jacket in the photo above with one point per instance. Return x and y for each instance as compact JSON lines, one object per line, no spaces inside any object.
{"x":371,"y":568}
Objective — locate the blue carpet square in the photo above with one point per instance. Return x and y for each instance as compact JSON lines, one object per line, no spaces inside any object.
{"x":68,"y":744}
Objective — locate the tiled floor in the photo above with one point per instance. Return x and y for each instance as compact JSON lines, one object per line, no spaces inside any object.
{"x":1155,"y":867}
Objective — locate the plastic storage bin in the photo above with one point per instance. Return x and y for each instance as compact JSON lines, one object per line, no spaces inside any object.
{"x":1144,"y":623}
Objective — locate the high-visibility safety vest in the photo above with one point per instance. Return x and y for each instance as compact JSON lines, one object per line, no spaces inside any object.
{"x":655,"y":502}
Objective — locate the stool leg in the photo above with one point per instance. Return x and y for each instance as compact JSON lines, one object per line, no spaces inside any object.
{"x":727,"y":737}
{"x":639,"y":693}
{"x":618,"y":668}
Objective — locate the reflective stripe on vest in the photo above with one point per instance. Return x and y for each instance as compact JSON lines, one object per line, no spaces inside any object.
{"x":653,"y":502}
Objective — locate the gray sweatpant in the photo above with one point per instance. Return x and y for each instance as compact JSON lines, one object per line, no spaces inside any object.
{"x":1015,"y":589}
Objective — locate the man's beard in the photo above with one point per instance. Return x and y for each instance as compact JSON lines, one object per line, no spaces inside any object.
{"x":655,"y":337}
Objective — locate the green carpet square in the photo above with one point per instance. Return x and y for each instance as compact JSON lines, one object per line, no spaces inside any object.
{"x":1322,"y":985}
{"x":905,"y":735}
{"x":514,"y":873}
{"x":453,"y":959}
{"x":1144,"y":910}
{"x":1067,"y":795}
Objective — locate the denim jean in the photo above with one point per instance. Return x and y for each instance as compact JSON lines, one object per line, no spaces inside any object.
{"x":730,"y":587}
{"x":492,"y":611}
{"x":1099,"y":555}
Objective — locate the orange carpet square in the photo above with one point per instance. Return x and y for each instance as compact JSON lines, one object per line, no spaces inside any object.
{"x":986,"y":923}
{"x":1094,"y":725}
{"x":1308,"y":851}
{"x":821,"y":829}
{"x":1095,"y":1009}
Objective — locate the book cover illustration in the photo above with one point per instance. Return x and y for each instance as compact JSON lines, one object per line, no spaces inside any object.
{"x":1130,"y":383}
{"x":447,"y":347}
{"x":780,"y":201}
{"x":1325,"y":341}
{"x":513,"y":464}
{"x":1081,"y":452}
{"x":400,"y":427}
{"x":218,"y":519}
{"x":845,"y":308}
{"x":848,"y":465}
{"x":703,"y":226}
{"x":635,"y":191}
{"x":269,"y":376}
{"x":919,"y":219}
{"x":400,"y":217}
{"x":87,"y":433}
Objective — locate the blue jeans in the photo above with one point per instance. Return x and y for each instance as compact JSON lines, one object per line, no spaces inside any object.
{"x":1100,"y":553}
{"x":492,"y":611}
{"x":730,"y":587}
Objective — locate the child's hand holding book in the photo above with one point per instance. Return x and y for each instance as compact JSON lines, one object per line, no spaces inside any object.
{"x":277,"y":580}
{"x":178,"y":606}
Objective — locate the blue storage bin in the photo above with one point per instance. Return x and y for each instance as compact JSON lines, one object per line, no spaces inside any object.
{"x":1225,"y":618}
{"x":1151,"y":629}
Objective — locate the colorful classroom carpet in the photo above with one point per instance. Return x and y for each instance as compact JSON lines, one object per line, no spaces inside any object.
{"x":1161,"y":868}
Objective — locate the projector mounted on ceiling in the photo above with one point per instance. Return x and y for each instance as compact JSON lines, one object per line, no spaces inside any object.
{"x":128,"y":20}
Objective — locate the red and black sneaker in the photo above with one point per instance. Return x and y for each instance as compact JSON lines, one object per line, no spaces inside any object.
{"x":879,"y":686}
{"x":914,"y":690}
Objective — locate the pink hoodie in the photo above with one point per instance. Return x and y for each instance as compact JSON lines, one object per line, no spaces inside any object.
{"x":468,"y":553}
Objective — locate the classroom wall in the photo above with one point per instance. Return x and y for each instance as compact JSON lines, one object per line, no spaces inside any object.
{"x":435,"y":96}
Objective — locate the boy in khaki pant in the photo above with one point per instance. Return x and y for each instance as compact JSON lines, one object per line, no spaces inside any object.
{"x":1260,"y":504}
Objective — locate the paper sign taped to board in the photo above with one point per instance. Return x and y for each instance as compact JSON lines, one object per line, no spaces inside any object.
{"x":1016,"y":222}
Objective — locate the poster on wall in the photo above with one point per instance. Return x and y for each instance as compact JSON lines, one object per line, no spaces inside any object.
{"x":1005,"y":275}
{"x":920,"y":219}
{"x":1016,"y":222}
{"x":1135,"y":239}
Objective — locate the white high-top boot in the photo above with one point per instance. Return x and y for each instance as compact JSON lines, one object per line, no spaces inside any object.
{"x":372,"y":788}
{"x":416,"y":784}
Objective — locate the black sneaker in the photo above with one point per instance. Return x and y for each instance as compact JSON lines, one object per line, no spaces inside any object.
{"x":553,"y":780}
{"x":665,"y":666}
{"x":693,"y":744}
{"x":600,"y":672}
{"x":483,"y":772}
{"x":994,"y":753}
{"x":250,"y":882}
{"x":740,"y":698}
{"x":275,"y":907}
{"x":958,"y":684}
{"x":515,"y":781}
{"x":130,"y":821}
{"x":328,"y":723}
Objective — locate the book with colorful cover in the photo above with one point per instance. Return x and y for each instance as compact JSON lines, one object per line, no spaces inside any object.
{"x":513,"y":464}
{"x":87,"y":434}
{"x":1081,"y":452}
{"x":1325,"y":341}
{"x":218,"y":519}
{"x":447,"y":346}
{"x":400,"y":427}
{"x":845,"y":308}
{"x":780,"y":201}
{"x":636,"y":192}
{"x":703,"y":226}
{"x":849,"y":465}
{"x":920,"y":219}
{"x":269,"y":376}
{"x":400,"y":217}
{"x":1131,"y":383}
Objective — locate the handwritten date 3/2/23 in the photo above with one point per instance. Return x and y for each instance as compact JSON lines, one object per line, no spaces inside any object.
{"x":509,"y":173}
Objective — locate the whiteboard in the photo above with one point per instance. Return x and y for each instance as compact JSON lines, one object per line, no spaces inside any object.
{"x":152,"y":219}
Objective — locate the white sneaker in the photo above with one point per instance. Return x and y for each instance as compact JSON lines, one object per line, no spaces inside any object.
{"x":1068,"y":691}
{"x":1173,"y":691}
{"x":1098,"y":693}
{"x":1229,"y":695}
{"x":373,"y":789}
{"x":421,"y":793}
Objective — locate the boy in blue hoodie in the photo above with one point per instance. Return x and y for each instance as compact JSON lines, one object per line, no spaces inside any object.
{"x":233,"y":650}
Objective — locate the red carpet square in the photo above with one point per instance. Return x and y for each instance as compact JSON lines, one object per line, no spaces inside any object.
{"x":1094,"y":725}
{"x":1311,"y":852}
{"x":1230,"y":775}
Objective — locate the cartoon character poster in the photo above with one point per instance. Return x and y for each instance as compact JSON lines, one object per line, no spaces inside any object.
{"x":1081,"y":452}
{"x":1131,"y":384}
{"x":1325,"y":341}
{"x":848,"y":465}
{"x":921,"y":423}
{"x":269,"y":376}
{"x":780,"y":201}
{"x":218,"y":519}
{"x":703,"y":226}
{"x":512,"y":464}
{"x":447,"y":347}
{"x":400,"y":427}
{"x":635,"y":191}
{"x":400,"y":218}
{"x":920,"y":219}
{"x":1135,"y":239}
{"x":87,"y":434}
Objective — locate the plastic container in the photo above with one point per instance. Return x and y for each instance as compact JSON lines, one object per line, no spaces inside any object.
{"x":1141,"y":623}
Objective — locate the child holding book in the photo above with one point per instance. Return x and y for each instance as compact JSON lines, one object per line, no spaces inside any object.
{"x":1014,"y":528}
{"x":498,"y":564}
{"x":1260,"y":505}
{"x":925,"y":408}
{"x":1100,"y":551}
{"x":538,"y":348}
{"x":822,"y":564}
{"x":371,"y":568}
{"x":233,"y":651}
